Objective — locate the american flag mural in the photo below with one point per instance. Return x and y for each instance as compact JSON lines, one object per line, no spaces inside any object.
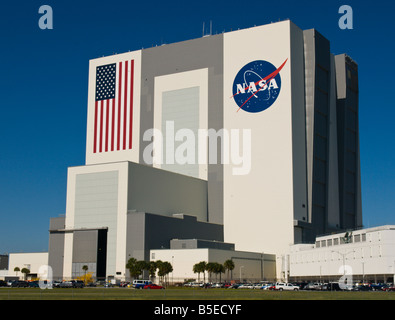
{"x":113,"y":122}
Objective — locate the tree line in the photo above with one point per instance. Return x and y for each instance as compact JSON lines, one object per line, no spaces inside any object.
{"x":163,"y":269}
{"x":25,"y":271}
{"x":137,"y":267}
{"x":213,"y":268}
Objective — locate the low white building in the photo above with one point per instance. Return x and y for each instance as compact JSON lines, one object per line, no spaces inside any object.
{"x":364,"y":255}
{"x":184,"y":254}
{"x":32,"y":261}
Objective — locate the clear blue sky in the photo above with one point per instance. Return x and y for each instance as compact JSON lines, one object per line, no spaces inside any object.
{"x":44,"y":81}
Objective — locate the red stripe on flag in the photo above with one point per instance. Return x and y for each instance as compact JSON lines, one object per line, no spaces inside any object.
{"x":119,"y":106}
{"x":95,"y":129}
{"x":125,"y":105}
{"x":131,"y":103}
{"x":107,"y":123}
{"x":112,"y":124}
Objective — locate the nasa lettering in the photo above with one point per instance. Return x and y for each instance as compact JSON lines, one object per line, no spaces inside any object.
{"x":257,"y":86}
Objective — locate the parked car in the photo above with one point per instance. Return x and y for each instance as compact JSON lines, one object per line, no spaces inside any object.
{"x":153,"y":286}
{"x":33,"y":284}
{"x":72,"y":284}
{"x":10,"y":282}
{"x":390,"y":288}
{"x":20,"y":284}
{"x":3,"y":283}
{"x":313,"y":286}
{"x":333,"y":286}
{"x":78,"y":284}
{"x":65,"y":284}
{"x":363,"y":288}
{"x":91,"y":284}
{"x":197,"y":284}
{"x":378,"y":286}
{"x":267,"y":286}
{"x":246,"y":286}
{"x":286,"y":287}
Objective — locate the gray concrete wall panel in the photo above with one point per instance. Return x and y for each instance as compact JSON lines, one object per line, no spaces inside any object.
{"x":166,"y":193}
{"x":191,"y":55}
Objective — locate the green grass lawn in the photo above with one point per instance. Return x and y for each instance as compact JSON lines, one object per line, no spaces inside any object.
{"x":182,"y":294}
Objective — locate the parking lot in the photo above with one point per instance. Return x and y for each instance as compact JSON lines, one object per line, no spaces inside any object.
{"x":302,"y":286}
{"x":214,"y":292}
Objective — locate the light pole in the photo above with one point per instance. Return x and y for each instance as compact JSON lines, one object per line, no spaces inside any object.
{"x":172,"y":273}
{"x":344,"y":262}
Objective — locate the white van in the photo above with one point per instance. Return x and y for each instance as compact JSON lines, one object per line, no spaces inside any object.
{"x":139,"y":284}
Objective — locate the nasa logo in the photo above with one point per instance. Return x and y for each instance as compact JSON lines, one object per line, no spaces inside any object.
{"x":257,"y":86}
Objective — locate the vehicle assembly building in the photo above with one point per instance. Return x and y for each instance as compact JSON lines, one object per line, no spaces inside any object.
{"x":247,"y":138}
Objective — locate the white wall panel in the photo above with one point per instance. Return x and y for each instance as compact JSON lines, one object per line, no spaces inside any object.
{"x":259,"y":207}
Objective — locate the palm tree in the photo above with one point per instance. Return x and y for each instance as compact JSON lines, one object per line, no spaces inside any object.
{"x":85,"y":268}
{"x":133,"y":268}
{"x":229,"y":265}
{"x":142,"y":265}
{"x":16,"y":269}
{"x":167,"y":269}
{"x":217,"y":268}
{"x":152,"y":269}
{"x":210,"y":267}
{"x":197,"y":269}
{"x":220,"y":270}
{"x":202,"y":266}
{"x":159,"y":266}
{"x":25,"y":271}
{"x":164,"y":268}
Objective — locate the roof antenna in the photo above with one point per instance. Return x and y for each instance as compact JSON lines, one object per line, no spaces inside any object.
{"x":204,"y":30}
